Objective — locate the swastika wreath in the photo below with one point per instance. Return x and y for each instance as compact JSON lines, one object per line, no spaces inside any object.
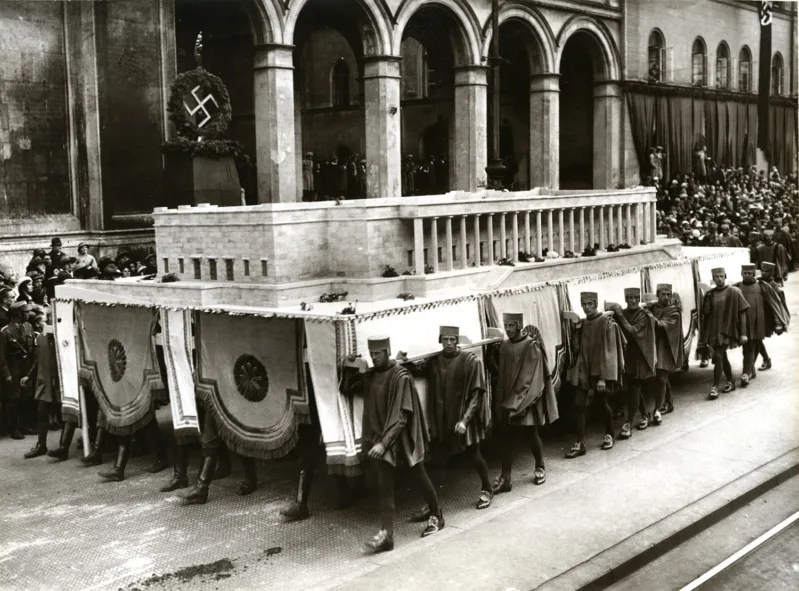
{"x":117,"y":363}
{"x":200,"y":88}
{"x":250,"y":380}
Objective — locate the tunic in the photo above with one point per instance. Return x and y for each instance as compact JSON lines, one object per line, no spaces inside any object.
{"x":458,"y":392}
{"x":392,"y":415}
{"x":722,"y":309}
{"x":16,"y":357}
{"x":640,"y":355}
{"x":598,"y":354}
{"x":669,"y":337}
{"x":773,"y":253}
{"x":756,"y":313}
{"x":44,"y":372}
{"x":524,"y":394}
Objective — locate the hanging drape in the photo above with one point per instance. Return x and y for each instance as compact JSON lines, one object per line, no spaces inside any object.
{"x":699,"y":123}
{"x":790,"y":140}
{"x":740,"y":131}
{"x":680,"y":118}
{"x":732,"y":135}
{"x":751,"y":134}
{"x":720,"y":148}
{"x":662,"y":133}
{"x":711,"y":129}
{"x":642,"y":122}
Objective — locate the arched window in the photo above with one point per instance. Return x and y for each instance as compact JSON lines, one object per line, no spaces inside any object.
{"x":340,"y":82}
{"x":699,"y":63}
{"x":657,"y":56}
{"x":723,"y":66}
{"x":431,"y":80}
{"x":777,"y":75}
{"x":745,"y":70}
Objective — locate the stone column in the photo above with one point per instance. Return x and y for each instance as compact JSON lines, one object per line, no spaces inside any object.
{"x":275,"y":142}
{"x":448,"y":245}
{"x":381,"y":95}
{"x":464,"y":254}
{"x":418,"y":246}
{"x":514,"y":247}
{"x":471,"y":124}
{"x":630,"y":240}
{"x":611,"y":226}
{"x":561,"y":237}
{"x":602,"y":243}
{"x":582,"y":229}
{"x":434,"y":243}
{"x":591,"y":234}
{"x":550,"y":236}
{"x":644,"y":225}
{"x":653,"y":220}
{"x":527,"y":237}
{"x":607,"y":134}
{"x":477,"y":258}
{"x":545,"y":130}
{"x":490,"y":240}
{"x":571,"y":229}
{"x":539,"y":247}
{"x":503,"y":237}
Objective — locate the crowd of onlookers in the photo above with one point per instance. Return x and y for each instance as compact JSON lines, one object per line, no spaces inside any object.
{"x":734,"y":207}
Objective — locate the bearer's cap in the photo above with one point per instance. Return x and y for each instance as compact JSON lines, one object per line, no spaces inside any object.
{"x":18,"y":308}
{"x":589,"y":296}
{"x":769,"y":232}
{"x":663,"y":287}
{"x":516,"y":317}
{"x":764,"y":266}
{"x":718,"y":271}
{"x":748,"y":267}
{"x":379,"y":343}
{"x":754,"y":235}
{"x":448,"y":331}
{"x":632,"y":291}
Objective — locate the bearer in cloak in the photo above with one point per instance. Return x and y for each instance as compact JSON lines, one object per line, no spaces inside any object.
{"x":524,"y":397}
{"x":724,"y":327}
{"x":597,"y":367}
{"x":767,"y":276}
{"x":394,"y":434}
{"x":640,"y":355}
{"x":766,"y":315}
{"x":772,"y":252}
{"x":669,"y":338}
{"x":461,"y":415}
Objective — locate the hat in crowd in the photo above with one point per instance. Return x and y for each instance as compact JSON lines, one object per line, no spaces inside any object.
{"x":35,"y":262}
{"x":718,"y":271}
{"x":39,"y":252}
{"x":448,"y":331}
{"x":55,"y":242}
{"x":83,"y":244}
{"x":18,"y":308}
{"x":754,"y":235}
{"x":632,"y":291}
{"x":63,"y":276}
{"x":724,"y":226}
{"x":517,"y":317}
{"x":587,"y":296}
{"x":24,"y":280}
{"x":663,"y":287}
{"x":748,"y":267}
{"x":379,"y":343}
{"x":111,"y":270}
{"x":766,"y":266}
{"x":695,"y":233}
{"x":104,"y":262}
{"x":309,"y":154}
{"x":768,"y":232}
{"x":34,"y":275}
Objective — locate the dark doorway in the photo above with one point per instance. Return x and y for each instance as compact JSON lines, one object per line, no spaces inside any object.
{"x":577,"y":114}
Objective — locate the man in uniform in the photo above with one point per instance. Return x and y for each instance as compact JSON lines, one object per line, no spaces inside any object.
{"x":394,"y":433}
{"x":597,"y":367}
{"x":524,"y":397}
{"x":766,"y":315}
{"x":726,"y":239}
{"x":784,"y":238}
{"x":669,"y":339}
{"x":17,"y":355}
{"x":44,"y":374}
{"x":724,"y":327}
{"x":767,"y":276}
{"x":640,"y":355}
{"x":771,"y":252}
{"x":461,"y":416}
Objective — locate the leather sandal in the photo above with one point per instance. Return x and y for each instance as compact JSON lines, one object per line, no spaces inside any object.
{"x":714,"y":393}
{"x":728,"y":387}
{"x":766,"y":365}
{"x":540,"y":475}
{"x":502,"y":485}
{"x":484,"y":500}
{"x":578,"y":449}
{"x":607,"y":441}
{"x":434,"y":525}
{"x":382,"y":542}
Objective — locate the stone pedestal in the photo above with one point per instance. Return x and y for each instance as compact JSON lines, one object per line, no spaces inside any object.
{"x":381,"y":87}
{"x":191,"y":180}
{"x":607,"y":135}
{"x":545,"y":131}
{"x":471,"y":128}
{"x":275,"y":142}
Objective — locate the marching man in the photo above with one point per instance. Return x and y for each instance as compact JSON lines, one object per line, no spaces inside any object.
{"x":597,"y":366}
{"x":669,"y":338}
{"x":724,"y":327}
{"x":394,"y":433}
{"x":524,"y":397}
{"x":767,"y":271}
{"x":766,"y":315}
{"x":640,"y":354}
{"x":773,"y":252}
{"x":461,"y":416}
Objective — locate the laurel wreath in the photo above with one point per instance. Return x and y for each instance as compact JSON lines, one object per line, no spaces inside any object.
{"x":184,"y":123}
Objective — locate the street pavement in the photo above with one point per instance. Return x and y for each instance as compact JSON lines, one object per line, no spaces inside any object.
{"x":61,"y":528}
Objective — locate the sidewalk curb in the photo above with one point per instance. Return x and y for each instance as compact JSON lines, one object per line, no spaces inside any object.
{"x":632,"y":554}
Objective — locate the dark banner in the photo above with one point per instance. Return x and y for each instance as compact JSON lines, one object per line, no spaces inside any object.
{"x":764,"y":78}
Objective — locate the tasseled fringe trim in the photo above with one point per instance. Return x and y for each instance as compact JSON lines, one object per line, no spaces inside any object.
{"x":138,"y":419}
{"x":132,"y":427}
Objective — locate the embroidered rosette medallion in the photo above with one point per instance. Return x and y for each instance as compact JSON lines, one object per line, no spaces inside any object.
{"x":117,"y":360}
{"x":251,"y":378}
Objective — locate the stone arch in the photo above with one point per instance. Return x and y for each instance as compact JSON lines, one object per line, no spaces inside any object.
{"x":377,"y":40}
{"x":607,"y":67}
{"x":467,"y":50}
{"x":265,"y":21}
{"x":541,"y":43}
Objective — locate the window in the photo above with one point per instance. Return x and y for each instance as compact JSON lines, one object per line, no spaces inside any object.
{"x":229,"y":269}
{"x":166,"y":265}
{"x":212,"y":269}
{"x":699,"y":63}
{"x":657,"y":57}
{"x":264,"y":267}
{"x":777,"y":75}
{"x":246,"y":267}
{"x":440,"y":254}
{"x":181,"y":266}
{"x":430,"y":76}
{"x":197,"y":269}
{"x":340,"y":84}
{"x":723,"y":66}
{"x":745,"y":70}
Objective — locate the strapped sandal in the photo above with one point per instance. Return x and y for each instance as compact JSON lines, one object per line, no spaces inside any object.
{"x":607,"y":442}
{"x":766,"y":365}
{"x":578,"y":449}
{"x":657,"y":419}
{"x":644,"y":422}
{"x":484,"y":500}
{"x":744,"y":380}
{"x":540,"y":475}
{"x":667,"y":408}
{"x":626,"y":431}
{"x":501,"y":485}
{"x":382,"y":542}
{"x":434,"y":524}
{"x":714,"y":393}
{"x":728,"y":387}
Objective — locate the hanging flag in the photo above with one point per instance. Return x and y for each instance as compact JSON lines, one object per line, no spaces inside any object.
{"x":764,"y":78}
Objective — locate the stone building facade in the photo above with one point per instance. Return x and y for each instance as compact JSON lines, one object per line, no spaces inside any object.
{"x":84,"y":87}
